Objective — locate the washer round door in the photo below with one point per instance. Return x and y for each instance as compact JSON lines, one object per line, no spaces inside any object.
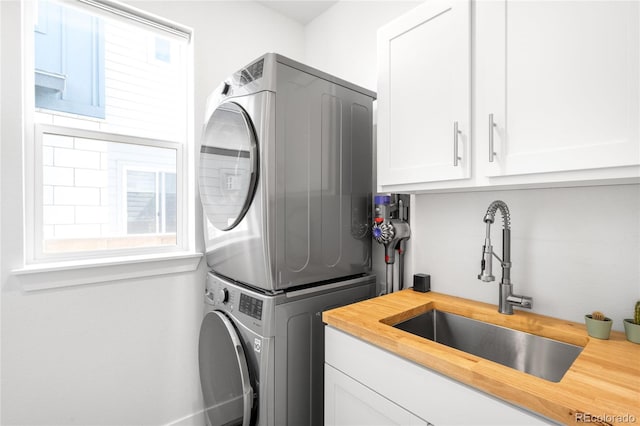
{"x":228,"y":165}
{"x":224,"y":375}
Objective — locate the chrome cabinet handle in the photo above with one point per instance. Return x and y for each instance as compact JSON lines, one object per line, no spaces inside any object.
{"x":492,"y":125}
{"x":456,"y":132}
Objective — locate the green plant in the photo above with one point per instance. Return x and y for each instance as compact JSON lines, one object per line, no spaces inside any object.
{"x":598,"y":325}
{"x":636,"y":313}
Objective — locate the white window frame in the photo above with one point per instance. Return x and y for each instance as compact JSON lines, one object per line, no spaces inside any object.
{"x":45,"y":272}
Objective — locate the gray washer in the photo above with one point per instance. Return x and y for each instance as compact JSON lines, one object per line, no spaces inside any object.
{"x":262,"y":356}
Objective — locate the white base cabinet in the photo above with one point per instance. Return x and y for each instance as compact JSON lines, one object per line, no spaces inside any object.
{"x":349,"y":402}
{"x":366,"y":385}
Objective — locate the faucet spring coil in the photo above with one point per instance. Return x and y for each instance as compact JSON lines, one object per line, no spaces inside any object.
{"x":504,"y":210}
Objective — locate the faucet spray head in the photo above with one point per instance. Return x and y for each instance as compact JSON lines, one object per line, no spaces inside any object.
{"x":486,"y":264}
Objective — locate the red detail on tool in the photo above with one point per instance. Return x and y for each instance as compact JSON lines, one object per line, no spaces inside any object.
{"x":378,"y":220}
{"x":399,"y":250}
{"x":386,"y":258}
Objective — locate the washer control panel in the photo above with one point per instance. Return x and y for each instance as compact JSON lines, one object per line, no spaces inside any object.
{"x":251,"y":306}
{"x":223,"y":295}
{"x":251,"y":309}
{"x":219,"y":293}
{"x":229,"y":297}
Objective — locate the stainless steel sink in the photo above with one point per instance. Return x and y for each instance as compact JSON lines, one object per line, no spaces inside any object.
{"x":545,"y":358}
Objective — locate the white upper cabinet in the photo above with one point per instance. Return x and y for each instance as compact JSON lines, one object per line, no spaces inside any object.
{"x":542,"y":93}
{"x":560,"y":79}
{"x":423,"y":95}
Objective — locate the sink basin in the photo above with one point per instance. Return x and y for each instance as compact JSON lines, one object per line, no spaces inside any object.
{"x":542,"y":357}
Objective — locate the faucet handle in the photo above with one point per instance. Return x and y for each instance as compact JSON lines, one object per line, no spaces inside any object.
{"x":520,"y":301}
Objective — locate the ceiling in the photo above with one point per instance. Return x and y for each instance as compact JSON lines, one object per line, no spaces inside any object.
{"x":302,"y":11}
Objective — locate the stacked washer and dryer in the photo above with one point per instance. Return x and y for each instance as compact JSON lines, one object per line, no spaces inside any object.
{"x":285,"y":180}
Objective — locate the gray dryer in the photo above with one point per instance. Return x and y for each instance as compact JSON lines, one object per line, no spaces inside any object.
{"x":285,"y":176}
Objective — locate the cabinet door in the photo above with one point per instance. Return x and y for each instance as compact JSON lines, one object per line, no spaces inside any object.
{"x":423,"y":95}
{"x":348,"y":402}
{"x":408,"y":386}
{"x":560,"y":79}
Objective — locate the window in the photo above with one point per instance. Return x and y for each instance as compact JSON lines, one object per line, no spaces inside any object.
{"x":110,"y":127}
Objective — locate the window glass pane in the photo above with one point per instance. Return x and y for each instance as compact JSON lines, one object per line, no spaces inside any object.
{"x":122,"y":75}
{"x":170,"y":202}
{"x":69,"y":61}
{"x":163,"y":50}
{"x":142,"y":210}
{"x":102,"y":195}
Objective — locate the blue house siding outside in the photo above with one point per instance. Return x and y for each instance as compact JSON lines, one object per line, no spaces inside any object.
{"x":69,"y":61}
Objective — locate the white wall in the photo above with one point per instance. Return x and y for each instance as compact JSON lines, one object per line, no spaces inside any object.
{"x":574,"y":250}
{"x":342,"y":41}
{"x":120,"y":353}
{"x":1,"y":203}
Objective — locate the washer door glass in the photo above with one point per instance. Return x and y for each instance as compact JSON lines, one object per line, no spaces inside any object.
{"x":224,"y":375}
{"x":228,"y":166}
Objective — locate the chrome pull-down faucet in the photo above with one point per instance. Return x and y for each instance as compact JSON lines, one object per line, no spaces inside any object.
{"x":507,"y":299}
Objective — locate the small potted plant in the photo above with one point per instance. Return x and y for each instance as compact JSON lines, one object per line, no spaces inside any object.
{"x":632,"y":325}
{"x":598,"y":325}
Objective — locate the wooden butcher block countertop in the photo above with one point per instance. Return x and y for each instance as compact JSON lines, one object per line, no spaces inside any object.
{"x":603,"y":382}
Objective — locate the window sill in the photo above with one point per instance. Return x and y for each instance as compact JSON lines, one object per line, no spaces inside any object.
{"x":67,"y":274}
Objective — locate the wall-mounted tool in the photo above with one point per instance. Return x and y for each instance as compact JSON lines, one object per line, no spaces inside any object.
{"x":391,"y":228}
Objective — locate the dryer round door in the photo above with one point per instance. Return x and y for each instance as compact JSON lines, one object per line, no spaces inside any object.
{"x":228,"y":165}
{"x":224,"y":375}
